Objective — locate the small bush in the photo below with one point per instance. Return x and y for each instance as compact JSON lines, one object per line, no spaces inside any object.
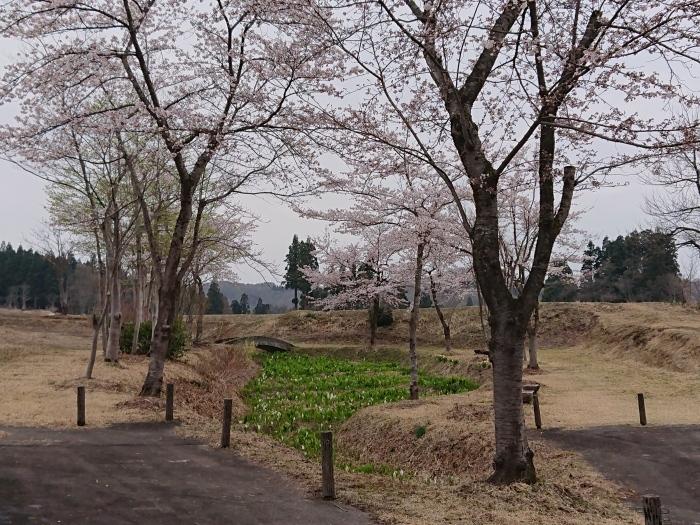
{"x":420,"y":431}
{"x":176,"y":348}
{"x":386,"y":315}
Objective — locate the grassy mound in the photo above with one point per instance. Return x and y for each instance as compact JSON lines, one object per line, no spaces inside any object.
{"x":448,"y":441}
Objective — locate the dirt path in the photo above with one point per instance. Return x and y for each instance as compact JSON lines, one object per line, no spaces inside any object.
{"x":653,"y":460}
{"x":144,"y":473}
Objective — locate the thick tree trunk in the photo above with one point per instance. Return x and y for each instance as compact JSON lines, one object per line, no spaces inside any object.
{"x":168,"y":295}
{"x":441,"y":316}
{"x":532,"y":341}
{"x":373,"y":315}
{"x":167,"y":312}
{"x":514,"y":459}
{"x":413,"y":321}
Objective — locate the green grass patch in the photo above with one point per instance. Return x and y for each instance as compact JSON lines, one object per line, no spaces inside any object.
{"x":296,"y":396}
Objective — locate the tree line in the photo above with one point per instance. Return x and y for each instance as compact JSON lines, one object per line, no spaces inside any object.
{"x":30,"y":279}
{"x":640,"y":266}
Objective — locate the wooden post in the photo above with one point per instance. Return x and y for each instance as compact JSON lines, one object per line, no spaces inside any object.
{"x":642,"y":410}
{"x":536,"y":408}
{"x":652,"y":510}
{"x":226,"y":426}
{"x":81,"y":406}
{"x":327,"y":465}
{"x":169,"y":401}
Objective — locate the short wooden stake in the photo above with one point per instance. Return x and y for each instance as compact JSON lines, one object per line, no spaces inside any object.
{"x":81,"y":406}
{"x":327,"y":465}
{"x":642,"y":410}
{"x":652,"y":510}
{"x":536,"y":408}
{"x":226,"y":425}
{"x":169,"y":401}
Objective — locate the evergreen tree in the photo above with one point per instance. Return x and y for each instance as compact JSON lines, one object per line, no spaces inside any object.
{"x":560,"y":285}
{"x":299,"y":257}
{"x":261,"y":308}
{"x":215,"y":299}
{"x":244,"y":304}
{"x":236,"y":307}
{"x":641,"y":266}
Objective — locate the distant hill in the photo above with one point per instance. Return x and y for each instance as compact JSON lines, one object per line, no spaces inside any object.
{"x":278,"y":297}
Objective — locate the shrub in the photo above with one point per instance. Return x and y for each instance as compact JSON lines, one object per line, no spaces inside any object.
{"x":386,"y":315}
{"x":176,"y":348}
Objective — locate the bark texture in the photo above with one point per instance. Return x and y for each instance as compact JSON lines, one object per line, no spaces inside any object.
{"x":413,"y":321}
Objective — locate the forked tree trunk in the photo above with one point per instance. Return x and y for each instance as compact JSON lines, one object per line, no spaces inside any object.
{"x":441,"y":316}
{"x":513,"y":459}
{"x":413,"y":321}
{"x":532,"y":339}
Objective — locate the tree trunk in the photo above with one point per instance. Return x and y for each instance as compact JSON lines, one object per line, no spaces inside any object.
{"x":168,"y":295}
{"x":167,"y":311}
{"x":514,"y":459}
{"x":373,"y":317}
{"x":532,"y":341}
{"x":413,"y":321}
{"x":480,"y":298}
{"x":115,"y":316}
{"x":441,"y":316}
{"x":96,"y":325}
{"x":201,"y":304}
{"x":138,"y":295}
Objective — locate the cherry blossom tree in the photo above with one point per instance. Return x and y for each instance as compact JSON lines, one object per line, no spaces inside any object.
{"x":358,"y":275}
{"x":394,"y":192}
{"x":223,"y":100}
{"x":465,"y":87}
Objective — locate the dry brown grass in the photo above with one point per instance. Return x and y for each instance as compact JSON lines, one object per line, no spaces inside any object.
{"x":42,"y":359}
{"x":455,"y":454}
{"x":584,"y":387}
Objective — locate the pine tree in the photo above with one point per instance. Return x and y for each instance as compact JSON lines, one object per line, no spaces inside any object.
{"x":236,"y":307}
{"x":215,"y":299}
{"x":299,"y":257}
{"x":245,"y":304}
{"x":261,"y":308}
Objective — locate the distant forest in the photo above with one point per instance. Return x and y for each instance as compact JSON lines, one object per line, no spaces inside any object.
{"x":641,"y":266}
{"x":32,"y":280}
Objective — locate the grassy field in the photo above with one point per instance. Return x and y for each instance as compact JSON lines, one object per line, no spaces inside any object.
{"x":594,"y":359}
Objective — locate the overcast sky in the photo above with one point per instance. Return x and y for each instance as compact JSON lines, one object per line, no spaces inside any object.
{"x":608,"y":211}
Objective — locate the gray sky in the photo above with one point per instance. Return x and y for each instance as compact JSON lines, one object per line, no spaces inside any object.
{"x":610,"y":211}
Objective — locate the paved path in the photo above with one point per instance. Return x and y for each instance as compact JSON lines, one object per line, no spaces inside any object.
{"x":658,"y":460}
{"x":144,"y":474}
